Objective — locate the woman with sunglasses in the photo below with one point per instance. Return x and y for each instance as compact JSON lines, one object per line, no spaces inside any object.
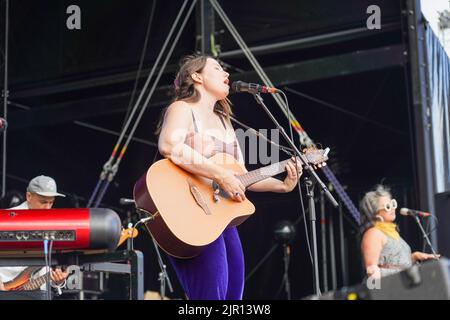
{"x":384,"y":251}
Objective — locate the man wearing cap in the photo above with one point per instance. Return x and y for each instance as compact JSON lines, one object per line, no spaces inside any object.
{"x":41,"y":193}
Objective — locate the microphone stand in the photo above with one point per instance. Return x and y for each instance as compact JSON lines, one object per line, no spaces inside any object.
{"x":128,"y":202}
{"x":163,"y":276}
{"x":286,"y":258}
{"x":312,"y":219}
{"x":425,"y":236}
{"x":302,"y":157}
{"x":314,"y":180}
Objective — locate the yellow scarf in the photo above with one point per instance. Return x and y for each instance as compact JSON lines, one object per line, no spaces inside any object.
{"x":389,"y":229}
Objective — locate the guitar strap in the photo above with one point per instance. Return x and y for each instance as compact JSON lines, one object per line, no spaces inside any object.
{"x":286,"y":150}
{"x":195,"y":122}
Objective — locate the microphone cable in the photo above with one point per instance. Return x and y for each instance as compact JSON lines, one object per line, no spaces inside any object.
{"x":143,"y":219}
{"x":429,"y":232}
{"x":50,"y":262}
{"x":299,"y":188}
{"x":47,"y":269}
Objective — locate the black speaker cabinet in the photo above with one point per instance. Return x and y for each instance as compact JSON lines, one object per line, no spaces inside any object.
{"x":429,"y":281}
{"x":442,"y":208}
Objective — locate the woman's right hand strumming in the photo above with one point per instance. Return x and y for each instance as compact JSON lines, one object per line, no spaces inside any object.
{"x":231,"y":185}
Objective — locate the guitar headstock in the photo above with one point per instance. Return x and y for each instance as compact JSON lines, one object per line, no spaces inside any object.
{"x":317,"y":157}
{"x":126,"y":234}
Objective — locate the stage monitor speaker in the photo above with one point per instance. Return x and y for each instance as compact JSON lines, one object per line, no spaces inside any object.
{"x":442,"y":208}
{"x":428,"y":281}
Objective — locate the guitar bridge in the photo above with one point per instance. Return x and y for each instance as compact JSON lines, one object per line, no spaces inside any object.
{"x":198,"y":197}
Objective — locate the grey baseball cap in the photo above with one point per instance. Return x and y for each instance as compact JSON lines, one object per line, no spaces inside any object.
{"x":44,"y":186}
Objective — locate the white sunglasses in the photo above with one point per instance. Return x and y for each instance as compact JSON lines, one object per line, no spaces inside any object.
{"x":388,"y":206}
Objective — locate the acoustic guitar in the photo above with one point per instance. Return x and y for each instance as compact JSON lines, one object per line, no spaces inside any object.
{"x":25,"y":280}
{"x":188,"y":212}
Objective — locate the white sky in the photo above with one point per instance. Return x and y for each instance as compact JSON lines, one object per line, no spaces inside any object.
{"x":430,"y":9}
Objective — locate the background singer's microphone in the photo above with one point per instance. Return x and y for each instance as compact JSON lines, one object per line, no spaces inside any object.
{"x":411,"y":212}
{"x":3,"y":125}
{"x":126,"y":201}
{"x":253,"y":88}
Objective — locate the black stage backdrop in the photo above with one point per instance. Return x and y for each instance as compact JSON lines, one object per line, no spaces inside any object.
{"x":347,"y":86}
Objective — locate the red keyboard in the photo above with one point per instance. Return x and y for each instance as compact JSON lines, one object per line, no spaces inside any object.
{"x":88,"y":228}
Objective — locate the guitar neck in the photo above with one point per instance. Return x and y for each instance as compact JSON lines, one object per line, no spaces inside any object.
{"x":35,"y":283}
{"x":260,"y":174}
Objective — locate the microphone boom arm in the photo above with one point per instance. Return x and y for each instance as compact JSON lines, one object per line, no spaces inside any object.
{"x":302,"y":157}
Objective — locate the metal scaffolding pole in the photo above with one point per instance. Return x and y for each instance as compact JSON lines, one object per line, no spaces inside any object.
{"x":332,"y":251}
{"x":421,"y":117}
{"x":343,"y":249}
{"x":5,"y":96}
{"x":323,"y":233}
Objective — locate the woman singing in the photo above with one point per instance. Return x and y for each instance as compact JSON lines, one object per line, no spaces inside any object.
{"x":195,"y":127}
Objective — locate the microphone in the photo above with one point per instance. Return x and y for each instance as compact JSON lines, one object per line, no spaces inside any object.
{"x":253,"y":88}
{"x":126,"y":201}
{"x":3,"y":124}
{"x":411,"y":212}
